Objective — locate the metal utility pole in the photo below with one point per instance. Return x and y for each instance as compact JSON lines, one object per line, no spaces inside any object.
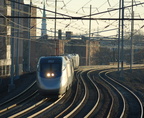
{"x":44,"y":24}
{"x":89,"y":37}
{"x":122,"y":40}
{"x":132,"y":28}
{"x":55,"y":18}
{"x":12,"y":85}
{"x":119,"y":36}
{"x":17,"y":46}
{"x":56,"y":40}
{"x":29,"y":36}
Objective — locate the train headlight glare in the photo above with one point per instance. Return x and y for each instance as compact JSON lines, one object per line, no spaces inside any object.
{"x":48,"y":74}
{"x":52,"y":74}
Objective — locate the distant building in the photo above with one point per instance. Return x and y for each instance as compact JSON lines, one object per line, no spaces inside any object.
{"x":45,"y":47}
{"x":16,"y":30}
{"x":81,"y":47}
{"x":68,"y":35}
{"x":5,"y":33}
{"x":48,"y":47}
{"x":29,"y":34}
{"x":17,"y":36}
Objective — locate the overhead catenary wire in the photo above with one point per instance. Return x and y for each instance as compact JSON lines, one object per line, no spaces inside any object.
{"x":83,"y":17}
{"x":137,"y":4}
{"x":70,"y":24}
{"x":115,"y":9}
{"x":23,"y":4}
{"x":92,"y":18}
{"x":18,"y":16}
{"x":22,"y":28}
{"x":40,"y":8}
{"x":88,"y":19}
{"x":73,"y":18}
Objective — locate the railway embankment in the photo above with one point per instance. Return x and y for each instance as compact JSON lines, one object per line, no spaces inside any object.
{"x":20,"y":84}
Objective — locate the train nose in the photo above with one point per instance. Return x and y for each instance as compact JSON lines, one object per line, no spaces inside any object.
{"x":49,"y":85}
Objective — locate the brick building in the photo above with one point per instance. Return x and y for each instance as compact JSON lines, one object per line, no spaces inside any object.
{"x":81,"y":47}
{"x":41,"y":47}
{"x":47,"y":47}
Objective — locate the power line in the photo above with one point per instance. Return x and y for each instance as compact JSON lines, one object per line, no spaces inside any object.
{"x":40,"y":8}
{"x":81,"y":16}
{"x":112,"y":10}
{"x":74,"y":18}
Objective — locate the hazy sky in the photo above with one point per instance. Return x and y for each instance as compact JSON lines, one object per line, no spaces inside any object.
{"x":82,"y":8}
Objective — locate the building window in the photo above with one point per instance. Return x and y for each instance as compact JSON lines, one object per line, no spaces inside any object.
{"x":8,"y":10}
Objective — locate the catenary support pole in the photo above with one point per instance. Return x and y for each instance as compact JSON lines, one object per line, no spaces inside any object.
{"x":132,"y":28}
{"x":29,"y":41}
{"x":89,"y":50}
{"x":122,"y":41}
{"x":12,"y":85}
{"x":119,"y":36}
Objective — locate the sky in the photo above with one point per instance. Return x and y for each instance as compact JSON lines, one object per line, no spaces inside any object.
{"x":78,"y":8}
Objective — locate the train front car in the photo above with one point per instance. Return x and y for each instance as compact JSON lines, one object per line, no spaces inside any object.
{"x":50,"y":71}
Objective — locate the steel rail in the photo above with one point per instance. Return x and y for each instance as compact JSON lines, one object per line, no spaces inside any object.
{"x":72,"y":101}
{"x":18,"y":94}
{"x":78,"y":106}
{"x":26,"y":110}
{"x":16,"y":104}
{"x":140,"y":103}
{"x":123,"y":100}
{"x":46,"y":108}
{"x":97,"y":89}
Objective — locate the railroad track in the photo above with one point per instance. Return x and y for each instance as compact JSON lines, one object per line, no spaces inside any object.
{"x":89,"y":101}
{"x":78,"y":103}
{"x":63,"y":105}
{"x":131,"y":105}
{"x":93,"y":94}
{"x":8,"y":106}
{"x":42,"y":107}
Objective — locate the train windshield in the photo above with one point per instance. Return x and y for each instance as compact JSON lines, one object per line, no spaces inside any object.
{"x":50,"y":69}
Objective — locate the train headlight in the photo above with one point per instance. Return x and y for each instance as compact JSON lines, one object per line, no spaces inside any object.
{"x":50,"y":74}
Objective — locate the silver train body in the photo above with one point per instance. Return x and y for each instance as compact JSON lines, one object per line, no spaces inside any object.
{"x":54,"y":75}
{"x":75,"y":59}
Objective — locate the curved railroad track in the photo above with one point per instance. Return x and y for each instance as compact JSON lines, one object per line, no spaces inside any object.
{"x":133,"y":105}
{"x":93,"y":94}
{"x":10,"y":105}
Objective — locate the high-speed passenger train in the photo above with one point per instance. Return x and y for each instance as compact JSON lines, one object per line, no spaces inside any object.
{"x":75,"y":59}
{"x":55,"y":74}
